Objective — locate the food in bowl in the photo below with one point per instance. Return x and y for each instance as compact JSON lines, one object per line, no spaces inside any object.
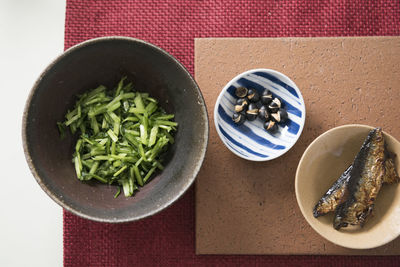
{"x":250,"y":106}
{"x":352,"y":196}
{"x":122,"y":136}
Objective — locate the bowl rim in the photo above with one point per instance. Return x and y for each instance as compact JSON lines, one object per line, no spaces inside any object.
{"x":302,"y":208}
{"x":58,"y":200}
{"x":233,"y":80}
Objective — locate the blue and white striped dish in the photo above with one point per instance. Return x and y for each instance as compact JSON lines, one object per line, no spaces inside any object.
{"x":249,"y":140}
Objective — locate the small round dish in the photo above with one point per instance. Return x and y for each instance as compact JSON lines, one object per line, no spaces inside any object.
{"x":321,"y":165}
{"x":250,"y":140}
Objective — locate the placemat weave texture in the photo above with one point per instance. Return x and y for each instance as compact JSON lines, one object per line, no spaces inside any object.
{"x":167,"y":239}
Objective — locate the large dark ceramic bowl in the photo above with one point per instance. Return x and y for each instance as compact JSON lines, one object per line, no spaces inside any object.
{"x":104,"y":61}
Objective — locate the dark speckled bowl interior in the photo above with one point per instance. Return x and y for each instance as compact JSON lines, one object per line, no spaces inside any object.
{"x":104,"y":61}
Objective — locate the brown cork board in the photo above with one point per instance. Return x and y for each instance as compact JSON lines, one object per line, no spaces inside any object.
{"x":245,"y":207}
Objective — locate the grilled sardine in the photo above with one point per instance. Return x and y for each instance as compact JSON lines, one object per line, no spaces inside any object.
{"x":366,"y":178}
{"x":334,"y":196}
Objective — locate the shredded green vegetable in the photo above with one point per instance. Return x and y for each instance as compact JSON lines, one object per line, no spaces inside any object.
{"x":123,"y":135}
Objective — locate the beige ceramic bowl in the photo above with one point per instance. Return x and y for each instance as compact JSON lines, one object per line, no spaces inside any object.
{"x":321,"y":164}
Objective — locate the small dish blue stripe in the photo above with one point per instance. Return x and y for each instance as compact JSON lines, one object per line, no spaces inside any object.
{"x":250,"y":143}
{"x":246,"y":130}
{"x":278,"y":81}
{"x":240,"y":145}
{"x":235,"y":149}
{"x":274,"y":88}
{"x":292,"y":127}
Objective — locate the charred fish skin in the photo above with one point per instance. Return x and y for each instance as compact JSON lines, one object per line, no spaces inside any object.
{"x":366,"y":178}
{"x":334,"y":196}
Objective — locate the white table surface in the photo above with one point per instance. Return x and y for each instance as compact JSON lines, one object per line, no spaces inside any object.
{"x":31,"y":35}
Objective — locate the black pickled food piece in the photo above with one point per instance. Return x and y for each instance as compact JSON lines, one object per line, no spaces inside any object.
{"x":259,"y":104}
{"x":271,"y":126}
{"x":365,"y":182}
{"x":266,"y":97}
{"x":241,"y":92}
{"x":280,"y":116}
{"x":241,"y":104}
{"x":275,"y":105}
{"x":252,"y":112}
{"x":253,"y":95}
{"x":263,"y":113}
{"x":239,"y":118}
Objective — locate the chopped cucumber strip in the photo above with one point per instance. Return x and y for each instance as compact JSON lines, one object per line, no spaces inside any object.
{"x":122,"y":136}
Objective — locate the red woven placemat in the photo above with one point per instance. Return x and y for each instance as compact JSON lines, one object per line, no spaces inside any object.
{"x":167,"y":239}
